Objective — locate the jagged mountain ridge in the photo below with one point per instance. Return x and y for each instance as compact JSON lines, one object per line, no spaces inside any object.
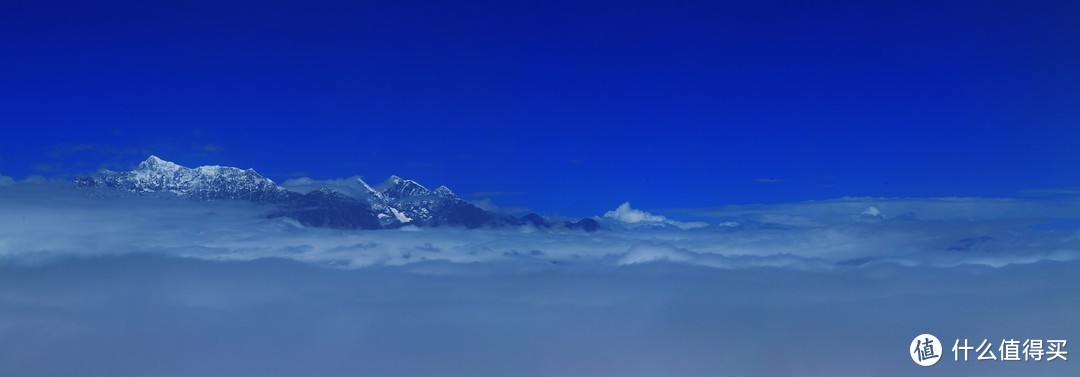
{"x":406,"y":200}
{"x":391,"y":204}
{"x":330,"y":209}
{"x":204,"y":182}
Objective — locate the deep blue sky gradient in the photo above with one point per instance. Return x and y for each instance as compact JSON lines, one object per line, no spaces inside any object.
{"x":564,"y":107}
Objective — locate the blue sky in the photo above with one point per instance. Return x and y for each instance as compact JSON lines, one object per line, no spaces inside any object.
{"x":865,"y":171}
{"x":564,"y":107}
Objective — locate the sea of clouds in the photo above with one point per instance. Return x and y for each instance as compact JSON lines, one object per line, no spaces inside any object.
{"x":99,"y":283}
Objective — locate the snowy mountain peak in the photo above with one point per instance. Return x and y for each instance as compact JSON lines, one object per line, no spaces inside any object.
{"x":154,"y":160}
{"x":444,"y":191}
{"x":406,"y":200}
{"x":396,"y":188}
{"x":329,"y":193}
{"x":155,"y":163}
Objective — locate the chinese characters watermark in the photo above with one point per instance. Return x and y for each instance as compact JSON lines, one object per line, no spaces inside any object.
{"x":926,"y":350}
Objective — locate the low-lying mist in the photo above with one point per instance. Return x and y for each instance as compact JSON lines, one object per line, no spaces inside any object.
{"x":109,"y":284}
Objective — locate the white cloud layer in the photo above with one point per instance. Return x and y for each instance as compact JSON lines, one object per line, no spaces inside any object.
{"x":99,"y":283}
{"x":49,"y":219}
{"x":927,"y":209}
{"x":140,"y":315}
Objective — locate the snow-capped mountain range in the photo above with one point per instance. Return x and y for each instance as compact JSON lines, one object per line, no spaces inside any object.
{"x":393,"y":203}
{"x":204,"y":182}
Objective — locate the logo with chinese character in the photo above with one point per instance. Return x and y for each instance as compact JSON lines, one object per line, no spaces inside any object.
{"x":925,"y":350}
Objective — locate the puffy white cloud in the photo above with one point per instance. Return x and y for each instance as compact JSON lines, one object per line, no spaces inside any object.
{"x":624,"y":213}
{"x":872,"y":211}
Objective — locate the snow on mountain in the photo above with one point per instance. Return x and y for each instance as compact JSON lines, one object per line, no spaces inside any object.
{"x":401,"y":217}
{"x":407,"y":201}
{"x":444,"y":191}
{"x":390,"y":204}
{"x":370,"y":190}
{"x":397,"y":188}
{"x":204,"y":182}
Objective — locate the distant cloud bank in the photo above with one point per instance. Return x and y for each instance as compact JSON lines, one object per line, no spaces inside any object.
{"x":43,"y":219}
